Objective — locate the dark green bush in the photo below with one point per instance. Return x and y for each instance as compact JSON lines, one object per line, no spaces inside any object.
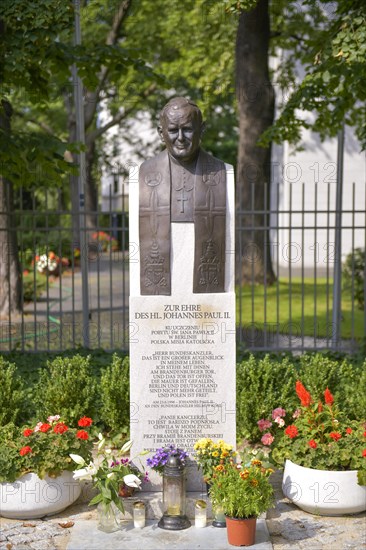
{"x":67,"y":387}
{"x":346,"y":380}
{"x":115,"y":395}
{"x":267,"y":383}
{"x":353,"y":275}
{"x":262,"y":385}
{"x":354,"y":391}
{"x":33,"y":286}
{"x":12,"y":394}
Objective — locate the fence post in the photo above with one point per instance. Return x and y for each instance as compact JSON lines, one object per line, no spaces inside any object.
{"x":337,"y":273}
{"x":80,"y":135}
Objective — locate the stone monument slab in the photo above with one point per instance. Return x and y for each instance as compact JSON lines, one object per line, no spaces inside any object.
{"x":182,"y":345}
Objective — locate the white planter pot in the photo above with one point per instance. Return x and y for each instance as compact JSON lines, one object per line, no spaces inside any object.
{"x":30,"y":497}
{"x":323,"y":492}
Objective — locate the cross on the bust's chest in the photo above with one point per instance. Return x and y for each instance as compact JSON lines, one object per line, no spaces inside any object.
{"x":183,"y":198}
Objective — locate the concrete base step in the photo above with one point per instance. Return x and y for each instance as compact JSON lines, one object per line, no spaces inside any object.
{"x":86,"y":536}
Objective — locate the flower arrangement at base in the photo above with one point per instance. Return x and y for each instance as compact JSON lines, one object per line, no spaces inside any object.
{"x":318,"y":436}
{"x":243,"y":491}
{"x":109,"y":472}
{"x":209,"y":454}
{"x":161,"y":456}
{"x":43,"y":449}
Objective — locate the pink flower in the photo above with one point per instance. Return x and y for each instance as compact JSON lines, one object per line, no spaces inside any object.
{"x":53,"y":418}
{"x":267,"y":439}
{"x":280,"y":421}
{"x":296,"y":413}
{"x":278,"y":413}
{"x":38,"y":427}
{"x":264,"y":424}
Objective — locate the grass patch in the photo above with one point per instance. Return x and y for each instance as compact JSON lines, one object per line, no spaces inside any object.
{"x":304,"y":307}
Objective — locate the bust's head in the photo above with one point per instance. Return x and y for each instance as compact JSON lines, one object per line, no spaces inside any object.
{"x":181,"y":128}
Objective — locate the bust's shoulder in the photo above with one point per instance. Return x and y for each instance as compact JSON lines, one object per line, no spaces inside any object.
{"x":156,"y":161}
{"x":210,"y":161}
{"x":208,"y":158}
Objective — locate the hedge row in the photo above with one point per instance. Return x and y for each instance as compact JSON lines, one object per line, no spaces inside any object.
{"x":72,"y":387}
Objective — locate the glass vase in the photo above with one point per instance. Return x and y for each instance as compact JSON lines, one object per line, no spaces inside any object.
{"x":109,"y":517}
{"x":219,"y":516}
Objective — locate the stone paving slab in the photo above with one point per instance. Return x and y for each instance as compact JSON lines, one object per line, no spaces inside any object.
{"x":86,"y":536}
{"x":289,"y":529}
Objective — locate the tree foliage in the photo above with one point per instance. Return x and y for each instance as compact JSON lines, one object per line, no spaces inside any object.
{"x":329,"y":40}
{"x":33,"y":51}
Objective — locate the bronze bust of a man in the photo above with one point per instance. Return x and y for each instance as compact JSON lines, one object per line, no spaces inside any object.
{"x":183,"y":184}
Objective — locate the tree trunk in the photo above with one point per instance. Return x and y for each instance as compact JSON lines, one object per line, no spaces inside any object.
{"x":255,"y":97}
{"x":10,"y":293}
{"x":91,"y":190}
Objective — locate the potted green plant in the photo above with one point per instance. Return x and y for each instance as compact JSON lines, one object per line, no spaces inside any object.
{"x":209,"y":454}
{"x":110,"y":472}
{"x":244,"y":492}
{"x":36,"y":471}
{"x":324,"y":454}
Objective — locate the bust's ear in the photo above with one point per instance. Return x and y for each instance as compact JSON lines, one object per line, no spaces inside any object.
{"x":203,"y":128}
{"x":161,"y":135}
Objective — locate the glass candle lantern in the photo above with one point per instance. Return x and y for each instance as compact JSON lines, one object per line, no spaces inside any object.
{"x":174,"y":496}
{"x":139,"y":517}
{"x":200,"y":513}
{"x":219,"y":516}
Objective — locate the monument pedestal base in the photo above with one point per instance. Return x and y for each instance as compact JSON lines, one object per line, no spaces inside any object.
{"x":85,"y":534}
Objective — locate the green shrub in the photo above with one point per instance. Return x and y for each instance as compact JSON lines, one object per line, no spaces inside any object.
{"x":354,"y":390}
{"x":33,"y":286}
{"x":353,"y":274}
{"x":267,"y":383}
{"x":67,"y":387}
{"x":115,"y":395}
{"x":262,"y":385}
{"x":345,"y":379}
{"x":12,"y":394}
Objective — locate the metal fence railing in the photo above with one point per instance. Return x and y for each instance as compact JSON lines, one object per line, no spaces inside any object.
{"x":286,"y":254}
{"x":288,"y":303}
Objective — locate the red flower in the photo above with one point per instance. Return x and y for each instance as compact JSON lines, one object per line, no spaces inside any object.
{"x":44,"y":428}
{"x":348,"y":430}
{"x":25,"y":450}
{"x":303,"y":394}
{"x":335,"y":435}
{"x":60,"y":428}
{"x":364,"y":434}
{"x":320,"y":407}
{"x":82,"y":434}
{"x":313,"y":444}
{"x":329,"y":399}
{"x":364,"y":453}
{"x":291,"y":431}
{"x":85,"y":422}
{"x":27,"y":432}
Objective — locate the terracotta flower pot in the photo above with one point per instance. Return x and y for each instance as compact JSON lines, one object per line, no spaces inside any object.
{"x":241,"y":531}
{"x":125,"y":491}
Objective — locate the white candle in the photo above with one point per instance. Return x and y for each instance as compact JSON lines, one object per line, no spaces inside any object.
{"x":200,"y":514}
{"x":139,"y":515}
{"x":200,"y":522}
{"x":139,"y":523}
